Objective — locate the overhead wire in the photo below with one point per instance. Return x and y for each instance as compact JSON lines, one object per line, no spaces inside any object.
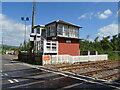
{"x":28,"y":9}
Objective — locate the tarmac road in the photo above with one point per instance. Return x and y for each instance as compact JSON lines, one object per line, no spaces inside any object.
{"x":22,"y":76}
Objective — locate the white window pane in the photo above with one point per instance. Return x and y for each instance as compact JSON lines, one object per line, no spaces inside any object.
{"x":66,"y":30}
{"x":52,"y":30}
{"x":60,"y":29}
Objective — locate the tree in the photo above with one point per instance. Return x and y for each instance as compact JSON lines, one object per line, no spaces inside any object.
{"x":21,"y":47}
{"x":110,"y":46}
{"x":96,"y":39}
{"x":106,"y":43}
{"x":28,"y":46}
{"x":114,"y":42}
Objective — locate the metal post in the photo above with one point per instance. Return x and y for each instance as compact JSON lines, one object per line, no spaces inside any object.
{"x":32,"y":27}
{"x":25,"y":32}
{"x":25,"y":36}
{"x":27,"y":19}
{"x":2,"y":45}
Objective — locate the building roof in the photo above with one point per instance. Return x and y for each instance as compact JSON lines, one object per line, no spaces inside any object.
{"x":63,"y":22}
{"x":42,"y":26}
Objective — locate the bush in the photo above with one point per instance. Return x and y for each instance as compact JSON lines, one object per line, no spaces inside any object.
{"x":114,"y":55}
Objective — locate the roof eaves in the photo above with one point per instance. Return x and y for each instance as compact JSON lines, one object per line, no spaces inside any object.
{"x":63,"y":22}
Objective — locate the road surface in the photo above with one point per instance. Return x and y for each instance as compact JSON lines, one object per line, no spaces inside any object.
{"x":21,"y":75}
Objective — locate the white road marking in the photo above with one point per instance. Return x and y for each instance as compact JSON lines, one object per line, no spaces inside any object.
{"x":58,"y":78}
{"x":16,"y":80}
{"x":8,"y":64}
{"x":2,"y":75}
{"x":6,"y":74}
{"x":82,"y":79}
{"x":73,"y":85}
{"x":10,"y":81}
{"x":71,"y":76}
{"x":27,"y":84}
{"x":32,"y":83}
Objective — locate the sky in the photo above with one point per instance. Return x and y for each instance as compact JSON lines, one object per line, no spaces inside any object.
{"x":95,"y":18}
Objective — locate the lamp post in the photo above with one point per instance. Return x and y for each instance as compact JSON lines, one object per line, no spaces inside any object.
{"x":2,"y":45}
{"x":26,"y":19}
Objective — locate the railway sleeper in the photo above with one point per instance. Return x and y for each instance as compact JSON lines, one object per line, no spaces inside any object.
{"x":99,"y":65}
{"x":90,"y":63}
{"x":97,"y":71}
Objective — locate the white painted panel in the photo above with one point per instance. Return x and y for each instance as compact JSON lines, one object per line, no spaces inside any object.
{"x":57,"y":59}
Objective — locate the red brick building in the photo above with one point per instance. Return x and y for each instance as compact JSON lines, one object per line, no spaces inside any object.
{"x":68,"y":48}
{"x":65,"y":34}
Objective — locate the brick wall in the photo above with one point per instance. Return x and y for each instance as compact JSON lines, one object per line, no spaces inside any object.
{"x":68,"y":48}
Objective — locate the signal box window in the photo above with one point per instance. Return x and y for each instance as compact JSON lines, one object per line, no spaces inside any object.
{"x":68,"y":41}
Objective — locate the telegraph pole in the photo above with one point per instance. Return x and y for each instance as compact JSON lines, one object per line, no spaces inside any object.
{"x":33,"y":14}
{"x":32,"y":27}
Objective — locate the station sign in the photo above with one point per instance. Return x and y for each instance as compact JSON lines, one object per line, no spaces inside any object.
{"x":46,"y":58}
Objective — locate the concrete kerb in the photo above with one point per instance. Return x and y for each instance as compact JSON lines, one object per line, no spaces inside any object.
{"x":73,"y":75}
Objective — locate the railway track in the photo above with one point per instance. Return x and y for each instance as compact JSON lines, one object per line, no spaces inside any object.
{"x":98,"y":65}
{"x":98,"y":71}
{"x":106,"y":69}
{"x":111,"y":76}
{"x":90,"y":63}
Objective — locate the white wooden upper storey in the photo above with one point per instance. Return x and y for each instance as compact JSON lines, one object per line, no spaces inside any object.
{"x":60,"y":28}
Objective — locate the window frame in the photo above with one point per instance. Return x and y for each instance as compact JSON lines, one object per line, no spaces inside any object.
{"x":52,"y":30}
{"x":60,"y":29}
{"x":68,"y":41}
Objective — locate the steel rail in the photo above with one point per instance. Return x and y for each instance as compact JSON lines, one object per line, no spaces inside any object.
{"x":111,"y":76}
{"x":98,"y":65}
{"x":98,"y":62}
{"x":97,"y":71}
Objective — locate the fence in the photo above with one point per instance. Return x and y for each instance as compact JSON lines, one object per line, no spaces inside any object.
{"x":59,"y":59}
{"x":33,"y":58}
{"x":37,"y":58}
